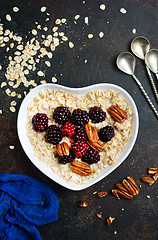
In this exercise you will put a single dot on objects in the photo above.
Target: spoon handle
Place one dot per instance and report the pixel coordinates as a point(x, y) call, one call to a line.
point(152, 82)
point(145, 95)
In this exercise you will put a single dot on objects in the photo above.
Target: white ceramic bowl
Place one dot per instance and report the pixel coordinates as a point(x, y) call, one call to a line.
point(21, 127)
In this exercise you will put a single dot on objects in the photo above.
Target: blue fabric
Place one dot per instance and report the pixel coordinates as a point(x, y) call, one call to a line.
point(24, 203)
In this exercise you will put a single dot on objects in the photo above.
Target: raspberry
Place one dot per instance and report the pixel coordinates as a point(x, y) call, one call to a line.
point(66, 159)
point(80, 117)
point(40, 122)
point(106, 133)
point(97, 114)
point(53, 134)
point(61, 115)
point(79, 148)
point(80, 134)
point(91, 156)
point(68, 129)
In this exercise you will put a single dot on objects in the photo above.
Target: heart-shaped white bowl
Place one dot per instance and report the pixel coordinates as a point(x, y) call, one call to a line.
point(21, 127)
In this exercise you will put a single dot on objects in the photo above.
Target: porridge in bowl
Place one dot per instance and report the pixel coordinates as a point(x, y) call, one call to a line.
point(78, 136)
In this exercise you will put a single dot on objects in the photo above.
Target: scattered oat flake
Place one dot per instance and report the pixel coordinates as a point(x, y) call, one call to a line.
point(0, 111)
point(34, 31)
point(64, 38)
point(86, 20)
point(43, 9)
point(101, 34)
point(123, 10)
point(58, 21)
point(85, 61)
point(0, 67)
point(134, 31)
point(63, 20)
point(94, 192)
point(90, 35)
point(45, 29)
point(54, 79)
point(40, 73)
point(115, 232)
point(148, 196)
point(3, 84)
point(8, 17)
point(77, 17)
point(102, 7)
point(12, 109)
point(43, 81)
point(15, 9)
point(13, 103)
point(11, 147)
point(71, 45)
point(55, 29)
point(48, 63)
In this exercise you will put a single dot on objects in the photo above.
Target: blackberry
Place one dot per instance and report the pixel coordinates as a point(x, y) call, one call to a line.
point(97, 114)
point(53, 134)
point(40, 122)
point(79, 148)
point(106, 133)
point(61, 115)
point(91, 156)
point(68, 129)
point(79, 117)
point(80, 134)
point(66, 159)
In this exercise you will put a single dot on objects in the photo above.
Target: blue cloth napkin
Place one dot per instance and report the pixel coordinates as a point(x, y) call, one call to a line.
point(24, 203)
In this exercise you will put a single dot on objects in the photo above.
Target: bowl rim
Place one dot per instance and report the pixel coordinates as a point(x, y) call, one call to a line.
point(25, 143)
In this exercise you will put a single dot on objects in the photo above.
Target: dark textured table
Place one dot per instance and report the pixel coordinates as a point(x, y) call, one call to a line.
point(134, 219)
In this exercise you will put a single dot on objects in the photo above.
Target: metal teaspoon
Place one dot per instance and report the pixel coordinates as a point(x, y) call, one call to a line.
point(151, 60)
point(126, 63)
point(140, 46)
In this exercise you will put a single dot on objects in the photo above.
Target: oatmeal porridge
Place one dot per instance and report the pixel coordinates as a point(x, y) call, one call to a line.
point(108, 151)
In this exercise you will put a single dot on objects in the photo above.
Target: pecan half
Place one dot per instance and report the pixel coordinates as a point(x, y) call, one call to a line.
point(118, 114)
point(102, 194)
point(63, 149)
point(148, 180)
point(92, 133)
point(134, 185)
point(121, 187)
point(130, 187)
point(93, 138)
point(155, 176)
point(83, 204)
point(96, 145)
point(125, 195)
point(115, 193)
point(110, 220)
point(152, 171)
point(80, 168)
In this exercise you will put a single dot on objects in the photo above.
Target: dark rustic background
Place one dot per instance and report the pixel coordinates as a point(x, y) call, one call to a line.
point(139, 218)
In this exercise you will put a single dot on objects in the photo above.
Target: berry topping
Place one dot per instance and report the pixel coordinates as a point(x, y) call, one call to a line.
point(91, 156)
point(97, 114)
point(79, 148)
point(66, 159)
point(80, 134)
point(40, 122)
point(106, 133)
point(61, 115)
point(53, 134)
point(68, 129)
point(80, 117)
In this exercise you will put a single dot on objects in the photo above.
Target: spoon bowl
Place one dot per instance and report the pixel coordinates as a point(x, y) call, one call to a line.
point(126, 62)
point(140, 46)
point(151, 60)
